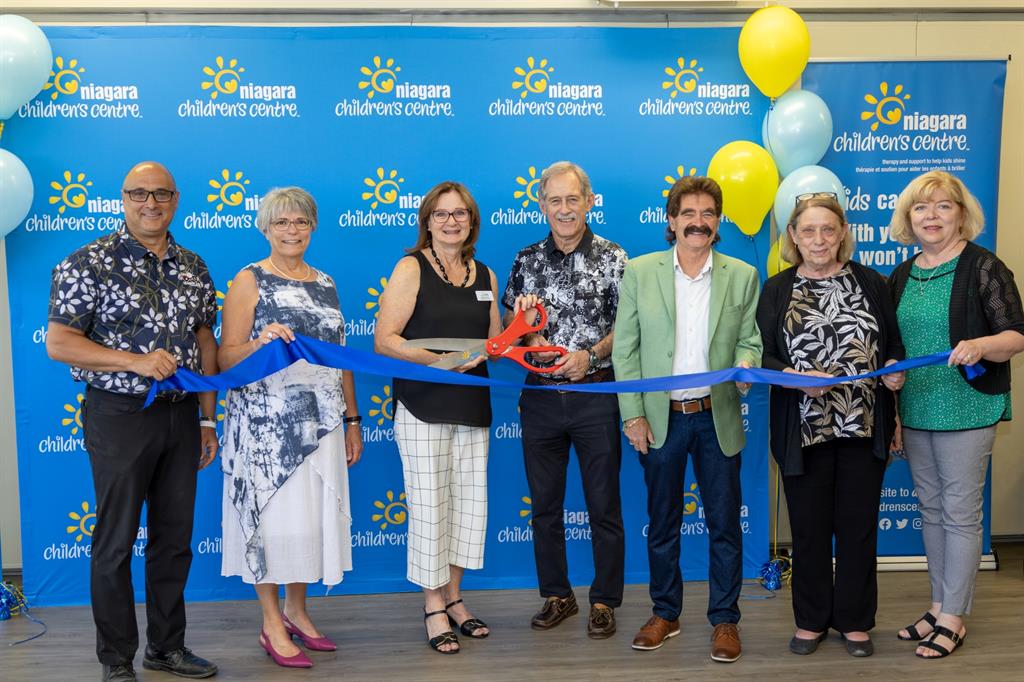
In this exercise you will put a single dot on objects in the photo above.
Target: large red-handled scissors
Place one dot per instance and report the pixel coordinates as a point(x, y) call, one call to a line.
point(500, 346)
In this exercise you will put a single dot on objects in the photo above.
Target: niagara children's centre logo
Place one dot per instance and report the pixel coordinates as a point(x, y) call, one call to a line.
point(526, 208)
point(229, 94)
point(68, 94)
point(229, 204)
point(654, 214)
point(385, 202)
point(76, 206)
point(386, 94)
point(537, 91)
point(688, 91)
point(389, 516)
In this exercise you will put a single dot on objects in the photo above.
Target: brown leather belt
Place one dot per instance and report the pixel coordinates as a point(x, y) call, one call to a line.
point(597, 377)
point(691, 406)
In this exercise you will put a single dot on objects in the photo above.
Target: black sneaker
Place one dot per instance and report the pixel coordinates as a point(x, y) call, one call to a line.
point(181, 662)
point(118, 673)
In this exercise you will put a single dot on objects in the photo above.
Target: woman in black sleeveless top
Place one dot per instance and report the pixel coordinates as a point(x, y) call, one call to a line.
point(442, 431)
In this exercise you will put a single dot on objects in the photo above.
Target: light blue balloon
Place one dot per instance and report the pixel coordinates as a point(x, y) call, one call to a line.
point(15, 192)
point(25, 58)
point(804, 180)
point(797, 130)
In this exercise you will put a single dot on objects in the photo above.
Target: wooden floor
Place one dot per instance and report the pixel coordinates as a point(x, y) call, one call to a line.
point(382, 638)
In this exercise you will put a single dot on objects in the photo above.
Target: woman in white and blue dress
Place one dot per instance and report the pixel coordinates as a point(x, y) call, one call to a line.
point(286, 502)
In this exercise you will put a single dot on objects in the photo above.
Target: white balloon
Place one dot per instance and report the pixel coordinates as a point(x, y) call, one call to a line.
point(15, 192)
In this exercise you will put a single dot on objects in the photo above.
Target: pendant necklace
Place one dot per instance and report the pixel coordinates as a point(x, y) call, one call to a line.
point(444, 275)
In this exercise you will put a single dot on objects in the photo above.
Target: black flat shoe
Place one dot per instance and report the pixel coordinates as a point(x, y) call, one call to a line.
point(861, 649)
point(181, 662)
point(805, 647)
point(447, 637)
point(469, 626)
point(118, 673)
point(911, 629)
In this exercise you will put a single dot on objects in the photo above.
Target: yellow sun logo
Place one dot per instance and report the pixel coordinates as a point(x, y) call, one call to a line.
point(534, 77)
point(393, 512)
point(381, 77)
point(888, 108)
point(529, 186)
point(221, 295)
point(230, 189)
point(65, 78)
point(84, 523)
point(690, 500)
point(525, 512)
point(384, 189)
point(684, 79)
point(222, 408)
point(74, 420)
point(225, 77)
point(671, 179)
point(375, 301)
point(72, 191)
point(385, 409)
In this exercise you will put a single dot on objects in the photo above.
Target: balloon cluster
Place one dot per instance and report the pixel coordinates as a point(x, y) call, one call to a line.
point(774, 46)
point(25, 54)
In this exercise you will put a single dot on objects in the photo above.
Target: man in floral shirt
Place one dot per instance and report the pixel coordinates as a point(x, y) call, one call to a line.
point(127, 309)
point(575, 274)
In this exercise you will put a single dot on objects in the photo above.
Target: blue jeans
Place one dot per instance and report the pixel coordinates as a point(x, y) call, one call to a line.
point(718, 477)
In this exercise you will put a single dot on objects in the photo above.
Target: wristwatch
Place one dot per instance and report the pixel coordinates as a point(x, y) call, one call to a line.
point(594, 360)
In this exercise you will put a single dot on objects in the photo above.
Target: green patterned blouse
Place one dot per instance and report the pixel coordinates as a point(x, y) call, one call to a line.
point(937, 398)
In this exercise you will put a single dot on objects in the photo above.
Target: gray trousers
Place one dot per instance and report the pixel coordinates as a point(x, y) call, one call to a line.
point(949, 474)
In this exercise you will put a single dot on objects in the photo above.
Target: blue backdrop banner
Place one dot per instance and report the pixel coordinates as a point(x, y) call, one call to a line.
point(367, 119)
point(893, 121)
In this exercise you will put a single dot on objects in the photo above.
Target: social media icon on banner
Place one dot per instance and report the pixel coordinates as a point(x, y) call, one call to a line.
point(884, 524)
point(916, 525)
point(901, 524)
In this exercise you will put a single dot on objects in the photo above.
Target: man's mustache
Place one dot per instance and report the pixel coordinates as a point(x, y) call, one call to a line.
point(697, 229)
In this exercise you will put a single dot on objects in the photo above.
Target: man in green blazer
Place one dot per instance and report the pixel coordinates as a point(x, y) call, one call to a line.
point(685, 310)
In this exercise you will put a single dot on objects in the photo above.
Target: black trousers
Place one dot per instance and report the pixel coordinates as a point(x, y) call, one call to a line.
point(552, 422)
point(837, 496)
point(138, 455)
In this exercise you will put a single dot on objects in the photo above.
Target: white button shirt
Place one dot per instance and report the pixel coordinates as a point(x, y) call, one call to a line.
point(693, 310)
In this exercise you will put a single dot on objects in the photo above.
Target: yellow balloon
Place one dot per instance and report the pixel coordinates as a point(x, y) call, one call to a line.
point(749, 180)
point(774, 47)
point(776, 263)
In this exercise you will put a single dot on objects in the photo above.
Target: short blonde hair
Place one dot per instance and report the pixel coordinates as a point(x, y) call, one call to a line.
point(280, 200)
point(788, 250)
point(923, 187)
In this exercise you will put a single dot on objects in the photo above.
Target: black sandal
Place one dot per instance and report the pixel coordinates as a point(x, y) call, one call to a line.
point(941, 631)
point(443, 638)
point(911, 629)
point(469, 626)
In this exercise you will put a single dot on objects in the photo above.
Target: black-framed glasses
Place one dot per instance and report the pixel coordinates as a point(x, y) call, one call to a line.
point(441, 216)
point(301, 224)
point(142, 195)
point(816, 195)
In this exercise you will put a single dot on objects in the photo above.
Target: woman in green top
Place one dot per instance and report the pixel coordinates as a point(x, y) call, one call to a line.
point(953, 294)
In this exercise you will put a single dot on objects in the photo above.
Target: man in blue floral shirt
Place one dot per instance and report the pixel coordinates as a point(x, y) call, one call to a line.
point(125, 310)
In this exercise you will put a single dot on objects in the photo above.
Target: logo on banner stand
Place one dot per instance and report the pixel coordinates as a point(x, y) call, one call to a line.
point(77, 544)
point(365, 326)
point(386, 204)
point(888, 109)
point(654, 214)
point(233, 208)
point(70, 97)
point(383, 412)
point(386, 95)
point(576, 523)
point(389, 516)
point(71, 439)
point(527, 204)
point(691, 93)
point(227, 96)
point(534, 93)
point(74, 210)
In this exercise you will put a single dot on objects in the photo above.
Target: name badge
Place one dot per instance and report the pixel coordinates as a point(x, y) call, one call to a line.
point(485, 295)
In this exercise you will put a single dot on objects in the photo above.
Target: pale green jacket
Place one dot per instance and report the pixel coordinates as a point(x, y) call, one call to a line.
point(645, 333)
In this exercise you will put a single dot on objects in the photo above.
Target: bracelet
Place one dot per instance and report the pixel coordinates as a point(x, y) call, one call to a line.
point(208, 423)
point(353, 420)
point(629, 422)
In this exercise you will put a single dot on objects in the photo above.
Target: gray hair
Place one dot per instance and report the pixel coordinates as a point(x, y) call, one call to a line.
point(561, 168)
point(280, 200)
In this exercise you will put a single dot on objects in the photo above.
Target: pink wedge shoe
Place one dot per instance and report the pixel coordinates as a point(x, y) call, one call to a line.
point(311, 643)
point(299, 660)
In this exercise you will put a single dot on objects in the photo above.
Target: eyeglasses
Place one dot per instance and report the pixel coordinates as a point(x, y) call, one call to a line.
point(301, 224)
point(142, 195)
point(807, 232)
point(816, 195)
point(441, 216)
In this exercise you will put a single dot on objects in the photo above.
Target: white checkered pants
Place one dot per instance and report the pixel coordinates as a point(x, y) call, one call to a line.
point(445, 468)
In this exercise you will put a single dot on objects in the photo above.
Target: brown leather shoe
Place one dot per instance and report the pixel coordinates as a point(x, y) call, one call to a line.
point(654, 633)
point(601, 623)
point(725, 643)
point(555, 610)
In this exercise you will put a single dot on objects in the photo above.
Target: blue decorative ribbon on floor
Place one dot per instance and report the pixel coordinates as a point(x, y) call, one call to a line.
point(278, 355)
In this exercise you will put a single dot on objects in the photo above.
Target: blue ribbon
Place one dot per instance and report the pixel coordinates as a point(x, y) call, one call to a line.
point(278, 355)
